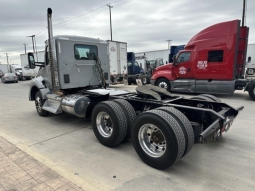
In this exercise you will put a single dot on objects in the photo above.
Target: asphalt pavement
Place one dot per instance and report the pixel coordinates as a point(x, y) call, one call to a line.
point(66, 145)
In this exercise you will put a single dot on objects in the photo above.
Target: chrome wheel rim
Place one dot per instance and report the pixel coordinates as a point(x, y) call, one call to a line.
point(144, 80)
point(163, 85)
point(38, 104)
point(152, 140)
point(104, 124)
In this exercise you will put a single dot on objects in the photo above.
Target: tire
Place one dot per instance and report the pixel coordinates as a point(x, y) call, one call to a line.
point(129, 113)
point(200, 97)
point(214, 98)
point(23, 78)
point(169, 141)
point(144, 80)
point(164, 83)
point(39, 101)
point(113, 130)
point(185, 125)
point(251, 90)
point(17, 81)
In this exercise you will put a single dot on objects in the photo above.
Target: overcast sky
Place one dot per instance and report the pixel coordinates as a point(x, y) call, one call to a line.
point(144, 24)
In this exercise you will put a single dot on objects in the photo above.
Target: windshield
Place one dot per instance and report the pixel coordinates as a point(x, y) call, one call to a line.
point(17, 69)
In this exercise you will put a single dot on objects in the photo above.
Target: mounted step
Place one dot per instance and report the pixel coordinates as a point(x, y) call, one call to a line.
point(53, 103)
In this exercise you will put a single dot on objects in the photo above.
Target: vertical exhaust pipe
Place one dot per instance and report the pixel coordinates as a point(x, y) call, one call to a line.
point(52, 55)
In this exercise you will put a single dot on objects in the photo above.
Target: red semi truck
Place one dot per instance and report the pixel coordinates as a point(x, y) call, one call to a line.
point(212, 62)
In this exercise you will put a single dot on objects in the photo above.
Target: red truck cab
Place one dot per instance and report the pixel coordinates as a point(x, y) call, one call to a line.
point(211, 62)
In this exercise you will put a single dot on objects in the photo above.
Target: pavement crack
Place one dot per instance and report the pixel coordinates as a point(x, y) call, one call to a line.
point(55, 137)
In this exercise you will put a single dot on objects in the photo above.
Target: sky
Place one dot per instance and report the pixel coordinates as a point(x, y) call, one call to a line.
point(144, 25)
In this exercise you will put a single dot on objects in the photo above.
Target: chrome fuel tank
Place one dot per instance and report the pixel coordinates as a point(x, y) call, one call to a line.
point(75, 104)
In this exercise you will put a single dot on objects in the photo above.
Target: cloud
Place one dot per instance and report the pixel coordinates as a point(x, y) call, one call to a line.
point(144, 24)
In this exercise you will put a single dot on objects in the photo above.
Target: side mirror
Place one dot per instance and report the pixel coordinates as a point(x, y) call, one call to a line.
point(140, 65)
point(249, 59)
point(174, 61)
point(31, 60)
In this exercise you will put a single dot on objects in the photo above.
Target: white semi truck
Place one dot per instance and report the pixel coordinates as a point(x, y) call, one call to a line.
point(27, 73)
point(163, 127)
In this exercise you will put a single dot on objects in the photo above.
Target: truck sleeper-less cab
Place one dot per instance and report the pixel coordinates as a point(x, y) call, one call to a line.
point(163, 127)
point(213, 61)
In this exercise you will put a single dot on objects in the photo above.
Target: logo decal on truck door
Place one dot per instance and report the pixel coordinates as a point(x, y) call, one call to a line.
point(201, 64)
point(182, 70)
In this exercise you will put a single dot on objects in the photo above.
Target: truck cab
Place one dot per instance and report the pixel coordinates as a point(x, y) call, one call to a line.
point(75, 59)
point(211, 62)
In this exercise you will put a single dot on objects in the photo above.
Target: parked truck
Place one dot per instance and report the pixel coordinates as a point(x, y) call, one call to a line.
point(17, 70)
point(250, 65)
point(141, 68)
point(27, 73)
point(163, 127)
point(213, 62)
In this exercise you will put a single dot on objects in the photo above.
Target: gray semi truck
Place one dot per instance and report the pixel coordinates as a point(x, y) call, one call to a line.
point(163, 127)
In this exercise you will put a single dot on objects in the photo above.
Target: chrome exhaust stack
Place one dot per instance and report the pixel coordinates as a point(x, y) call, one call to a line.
point(52, 55)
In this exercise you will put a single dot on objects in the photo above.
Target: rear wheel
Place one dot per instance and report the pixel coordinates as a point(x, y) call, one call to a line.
point(185, 125)
point(144, 80)
point(251, 89)
point(109, 123)
point(129, 113)
point(163, 83)
point(39, 101)
point(158, 139)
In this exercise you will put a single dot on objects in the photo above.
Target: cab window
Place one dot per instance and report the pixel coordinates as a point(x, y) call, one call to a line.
point(85, 52)
point(136, 64)
point(183, 57)
point(215, 56)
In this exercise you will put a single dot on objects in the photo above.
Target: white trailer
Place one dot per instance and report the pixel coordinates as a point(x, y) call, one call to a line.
point(153, 55)
point(30, 73)
point(250, 57)
point(4, 68)
point(118, 60)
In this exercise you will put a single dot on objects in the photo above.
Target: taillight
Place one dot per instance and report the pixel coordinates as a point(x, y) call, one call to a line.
point(15, 77)
point(6, 77)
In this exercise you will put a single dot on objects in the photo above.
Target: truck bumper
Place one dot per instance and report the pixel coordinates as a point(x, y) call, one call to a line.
point(153, 82)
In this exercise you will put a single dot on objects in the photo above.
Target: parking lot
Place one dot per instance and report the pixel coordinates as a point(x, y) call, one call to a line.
point(67, 145)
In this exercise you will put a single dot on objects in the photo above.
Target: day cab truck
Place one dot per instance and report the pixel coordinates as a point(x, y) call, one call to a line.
point(163, 127)
point(212, 62)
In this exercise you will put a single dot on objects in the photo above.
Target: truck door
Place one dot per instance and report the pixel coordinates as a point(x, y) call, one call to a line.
point(183, 69)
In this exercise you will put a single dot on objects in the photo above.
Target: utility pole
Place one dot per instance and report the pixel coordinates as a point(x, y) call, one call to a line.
point(25, 45)
point(110, 18)
point(244, 13)
point(168, 43)
point(7, 61)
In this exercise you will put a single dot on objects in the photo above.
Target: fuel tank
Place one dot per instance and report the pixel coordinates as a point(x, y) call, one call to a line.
point(75, 104)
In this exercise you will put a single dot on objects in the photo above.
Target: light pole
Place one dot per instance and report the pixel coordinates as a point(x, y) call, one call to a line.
point(110, 18)
point(7, 61)
point(168, 43)
point(34, 45)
